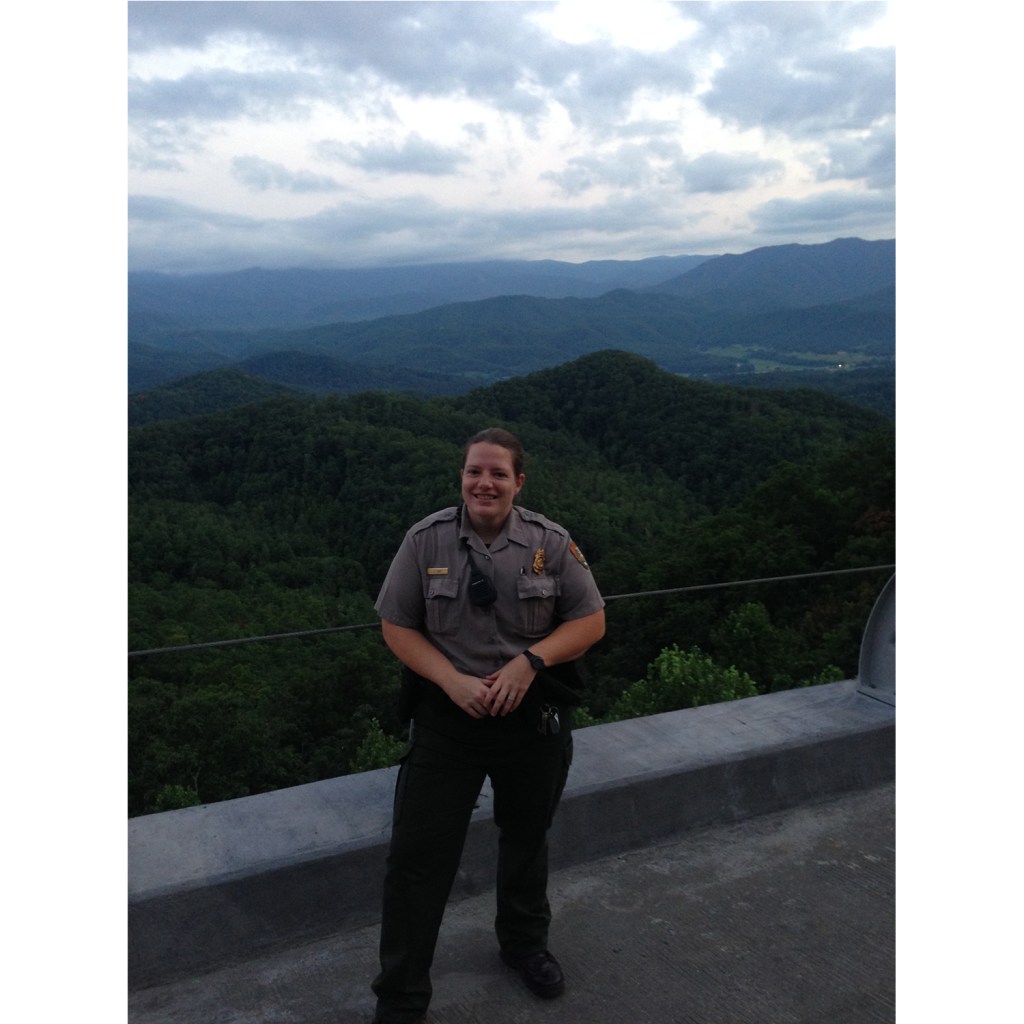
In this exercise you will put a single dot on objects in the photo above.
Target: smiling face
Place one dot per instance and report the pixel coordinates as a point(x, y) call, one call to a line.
point(489, 486)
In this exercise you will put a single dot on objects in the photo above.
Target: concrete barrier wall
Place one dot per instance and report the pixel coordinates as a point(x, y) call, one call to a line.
point(221, 883)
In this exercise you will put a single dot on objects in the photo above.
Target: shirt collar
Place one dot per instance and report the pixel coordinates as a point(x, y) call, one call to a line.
point(512, 532)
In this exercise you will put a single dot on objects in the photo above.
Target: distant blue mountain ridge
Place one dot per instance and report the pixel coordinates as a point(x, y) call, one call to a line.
point(789, 307)
point(297, 297)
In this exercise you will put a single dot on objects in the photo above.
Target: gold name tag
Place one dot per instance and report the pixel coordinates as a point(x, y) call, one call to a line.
point(438, 572)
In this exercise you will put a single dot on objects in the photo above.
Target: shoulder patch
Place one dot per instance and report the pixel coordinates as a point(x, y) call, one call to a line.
point(578, 555)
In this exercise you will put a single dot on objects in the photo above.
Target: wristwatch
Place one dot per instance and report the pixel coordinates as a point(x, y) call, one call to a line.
point(535, 660)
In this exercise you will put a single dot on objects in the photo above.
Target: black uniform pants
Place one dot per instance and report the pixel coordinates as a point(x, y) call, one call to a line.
point(438, 785)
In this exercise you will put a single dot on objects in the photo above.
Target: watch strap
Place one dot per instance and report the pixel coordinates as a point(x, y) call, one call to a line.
point(535, 660)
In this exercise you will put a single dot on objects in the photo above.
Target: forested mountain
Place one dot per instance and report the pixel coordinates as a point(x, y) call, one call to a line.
point(873, 387)
point(785, 307)
point(151, 367)
point(508, 337)
point(278, 373)
point(792, 275)
point(200, 395)
point(282, 515)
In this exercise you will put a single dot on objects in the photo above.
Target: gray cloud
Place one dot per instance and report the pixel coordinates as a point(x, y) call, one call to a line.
point(491, 52)
point(807, 30)
point(178, 237)
point(595, 84)
point(631, 166)
point(256, 173)
point(414, 155)
point(222, 94)
point(169, 119)
point(480, 49)
point(786, 68)
point(846, 91)
point(162, 145)
point(834, 213)
point(532, 110)
point(784, 65)
point(872, 159)
point(728, 172)
point(404, 229)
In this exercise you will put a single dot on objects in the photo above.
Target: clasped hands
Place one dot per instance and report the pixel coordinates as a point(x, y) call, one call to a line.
point(496, 695)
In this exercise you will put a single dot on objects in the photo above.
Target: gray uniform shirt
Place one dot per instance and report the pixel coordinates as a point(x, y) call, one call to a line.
point(540, 576)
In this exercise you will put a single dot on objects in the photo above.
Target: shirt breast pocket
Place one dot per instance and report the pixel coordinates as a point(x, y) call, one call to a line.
point(442, 605)
point(535, 609)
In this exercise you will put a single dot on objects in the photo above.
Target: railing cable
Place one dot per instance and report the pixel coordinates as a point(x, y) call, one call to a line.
point(611, 597)
point(744, 583)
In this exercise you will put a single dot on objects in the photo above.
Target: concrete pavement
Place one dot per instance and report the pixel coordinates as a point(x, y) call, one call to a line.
point(785, 917)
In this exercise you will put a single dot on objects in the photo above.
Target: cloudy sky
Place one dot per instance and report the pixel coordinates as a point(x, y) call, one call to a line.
point(284, 134)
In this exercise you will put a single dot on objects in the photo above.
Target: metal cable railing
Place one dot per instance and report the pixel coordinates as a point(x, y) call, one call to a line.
point(613, 597)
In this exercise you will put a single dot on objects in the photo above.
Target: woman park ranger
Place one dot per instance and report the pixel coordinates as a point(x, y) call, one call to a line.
point(481, 602)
